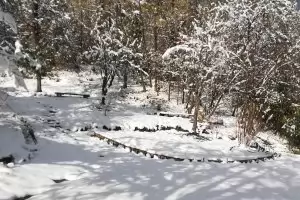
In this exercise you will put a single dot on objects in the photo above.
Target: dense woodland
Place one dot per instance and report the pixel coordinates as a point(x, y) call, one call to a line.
point(244, 52)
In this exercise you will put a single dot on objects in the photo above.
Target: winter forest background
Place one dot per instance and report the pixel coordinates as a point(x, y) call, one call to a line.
point(244, 52)
point(149, 99)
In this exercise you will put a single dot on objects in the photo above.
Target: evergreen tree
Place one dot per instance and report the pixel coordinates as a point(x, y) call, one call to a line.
point(42, 34)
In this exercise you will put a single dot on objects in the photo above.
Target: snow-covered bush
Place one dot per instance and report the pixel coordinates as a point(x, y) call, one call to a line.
point(10, 47)
point(112, 52)
point(245, 49)
point(291, 129)
point(264, 40)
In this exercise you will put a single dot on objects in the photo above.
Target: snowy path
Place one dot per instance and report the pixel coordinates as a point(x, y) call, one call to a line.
point(95, 170)
point(120, 175)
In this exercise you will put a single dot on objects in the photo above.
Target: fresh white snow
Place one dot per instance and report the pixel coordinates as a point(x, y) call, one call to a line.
point(95, 170)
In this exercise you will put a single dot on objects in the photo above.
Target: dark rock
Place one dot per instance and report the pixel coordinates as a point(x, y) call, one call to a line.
point(23, 198)
point(137, 151)
point(216, 161)
point(106, 128)
point(116, 144)
point(144, 152)
point(180, 129)
point(7, 160)
point(179, 159)
point(254, 145)
point(261, 149)
point(88, 127)
point(56, 126)
point(143, 129)
point(117, 128)
point(192, 134)
point(205, 131)
point(231, 137)
point(60, 180)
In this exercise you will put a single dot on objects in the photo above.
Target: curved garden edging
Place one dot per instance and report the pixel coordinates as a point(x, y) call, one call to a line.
point(163, 157)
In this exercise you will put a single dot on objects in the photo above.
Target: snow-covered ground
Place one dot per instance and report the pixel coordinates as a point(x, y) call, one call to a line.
point(182, 146)
point(95, 170)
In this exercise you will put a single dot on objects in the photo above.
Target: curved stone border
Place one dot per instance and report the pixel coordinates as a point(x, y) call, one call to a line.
point(160, 156)
point(28, 196)
point(153, 130)
point(161, 128)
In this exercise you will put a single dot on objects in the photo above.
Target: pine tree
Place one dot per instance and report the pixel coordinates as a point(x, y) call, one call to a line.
point(41, 34)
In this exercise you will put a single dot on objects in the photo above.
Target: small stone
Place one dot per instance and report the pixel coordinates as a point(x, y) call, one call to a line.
point(75, 129)
point(94, 125)
point(117, 128)
point(10, 165)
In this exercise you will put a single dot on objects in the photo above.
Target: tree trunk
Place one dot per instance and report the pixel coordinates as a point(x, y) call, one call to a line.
point(169, 91)
point(192, 104)
point(234, 111)
point(144, 45)
point(36, 36)
point(38, 80)
point(155, 35)
point(178, 92)
point(196, 111)
point(183, 95)
point(188, 99)
point(150, 78)
point(215, 106)
point(125, 79)
point(143, 82)
point(81, 28)
point(156, 85)
point(111, 80)
point(104, 87)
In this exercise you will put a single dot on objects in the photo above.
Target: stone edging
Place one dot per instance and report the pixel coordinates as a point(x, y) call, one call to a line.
point(160, 156)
